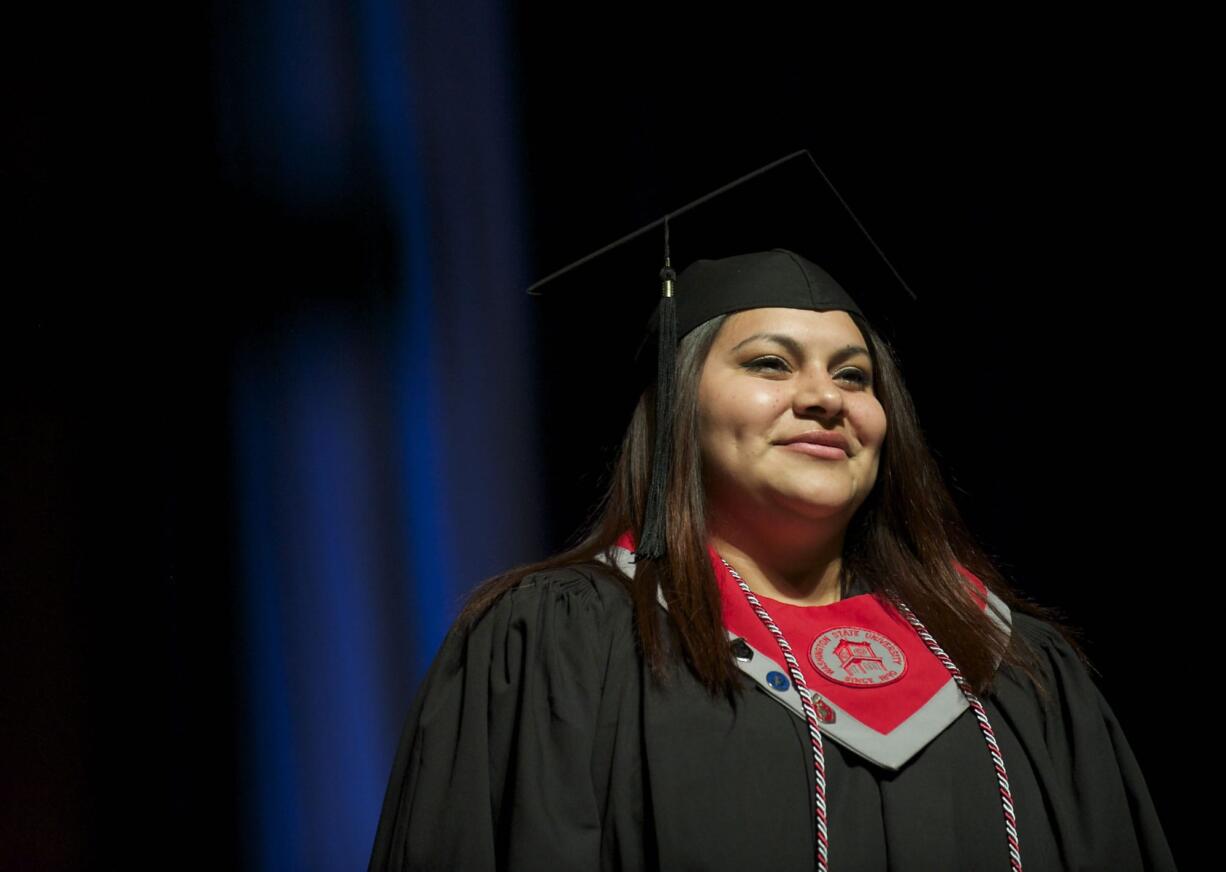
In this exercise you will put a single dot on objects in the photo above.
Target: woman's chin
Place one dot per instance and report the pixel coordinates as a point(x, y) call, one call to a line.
point(816, 506)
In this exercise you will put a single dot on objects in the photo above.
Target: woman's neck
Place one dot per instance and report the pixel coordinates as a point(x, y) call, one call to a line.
point(801, 573)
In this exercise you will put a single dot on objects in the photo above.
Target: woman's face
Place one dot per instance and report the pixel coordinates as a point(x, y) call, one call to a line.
point(773, 375)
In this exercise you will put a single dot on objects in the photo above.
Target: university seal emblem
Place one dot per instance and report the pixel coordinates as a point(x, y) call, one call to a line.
point(857, 657)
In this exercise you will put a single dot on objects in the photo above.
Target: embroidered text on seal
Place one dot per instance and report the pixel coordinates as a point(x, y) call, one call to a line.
point(857, 656)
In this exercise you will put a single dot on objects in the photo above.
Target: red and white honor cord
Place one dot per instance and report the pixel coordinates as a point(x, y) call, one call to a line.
point(998, 761)
point(815, 735)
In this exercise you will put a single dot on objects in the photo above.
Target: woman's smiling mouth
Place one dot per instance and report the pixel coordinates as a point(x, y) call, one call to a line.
point(816, 450)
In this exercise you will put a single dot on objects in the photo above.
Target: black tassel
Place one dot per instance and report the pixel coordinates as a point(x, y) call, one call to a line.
point(653, 544)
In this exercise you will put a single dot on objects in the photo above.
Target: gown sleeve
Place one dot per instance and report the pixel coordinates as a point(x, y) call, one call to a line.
point(1108, 819)
point(494, 766)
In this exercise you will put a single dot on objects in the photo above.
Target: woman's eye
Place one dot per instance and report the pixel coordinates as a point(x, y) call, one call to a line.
point(768, 363)
point(859, 376)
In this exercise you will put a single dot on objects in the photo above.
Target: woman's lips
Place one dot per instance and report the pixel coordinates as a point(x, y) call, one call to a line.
point(815, 450)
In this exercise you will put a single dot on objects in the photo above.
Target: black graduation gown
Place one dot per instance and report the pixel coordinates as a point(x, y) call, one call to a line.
point(538, 741)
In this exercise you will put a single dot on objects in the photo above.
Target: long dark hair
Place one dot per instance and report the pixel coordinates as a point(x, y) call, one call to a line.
point(902, 542)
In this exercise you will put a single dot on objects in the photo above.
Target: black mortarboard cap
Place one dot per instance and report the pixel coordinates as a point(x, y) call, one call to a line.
point(781, 236)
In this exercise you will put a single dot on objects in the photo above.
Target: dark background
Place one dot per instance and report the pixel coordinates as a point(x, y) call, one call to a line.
point(1037, 181)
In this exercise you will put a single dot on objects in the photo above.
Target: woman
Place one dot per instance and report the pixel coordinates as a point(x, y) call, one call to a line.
point(759, 685)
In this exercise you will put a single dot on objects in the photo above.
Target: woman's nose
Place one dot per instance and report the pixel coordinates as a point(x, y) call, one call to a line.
point(818, 394)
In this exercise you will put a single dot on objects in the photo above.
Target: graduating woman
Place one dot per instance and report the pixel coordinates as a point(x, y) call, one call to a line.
point(777, 646)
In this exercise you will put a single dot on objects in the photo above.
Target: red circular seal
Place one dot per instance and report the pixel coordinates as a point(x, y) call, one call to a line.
point(857, 657)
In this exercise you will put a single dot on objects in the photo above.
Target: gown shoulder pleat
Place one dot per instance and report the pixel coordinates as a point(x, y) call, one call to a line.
point(494, 768)
point(1101, 810)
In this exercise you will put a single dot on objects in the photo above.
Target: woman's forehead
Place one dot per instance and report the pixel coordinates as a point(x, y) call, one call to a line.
point(801, 324)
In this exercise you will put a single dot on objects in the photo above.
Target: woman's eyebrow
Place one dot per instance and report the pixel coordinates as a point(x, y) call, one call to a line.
point(793, 346)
